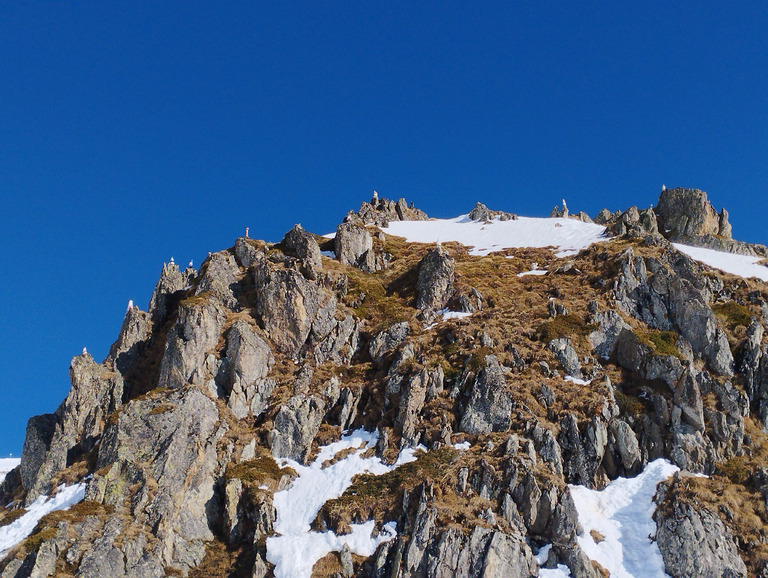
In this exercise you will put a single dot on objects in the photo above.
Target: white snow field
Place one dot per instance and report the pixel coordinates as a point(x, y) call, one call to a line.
point(296, 549)
point(19, 529)
point(6, 465)
point(569, 236)
point(622, 513)
point(741, 265)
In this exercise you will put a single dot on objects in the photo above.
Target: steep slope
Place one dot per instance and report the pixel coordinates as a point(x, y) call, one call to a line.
point(487, 365)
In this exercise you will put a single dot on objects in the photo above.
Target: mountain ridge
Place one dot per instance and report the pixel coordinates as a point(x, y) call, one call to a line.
point(269, 352)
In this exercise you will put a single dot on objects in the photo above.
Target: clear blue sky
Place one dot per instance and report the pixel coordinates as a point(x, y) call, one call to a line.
point(131, 132)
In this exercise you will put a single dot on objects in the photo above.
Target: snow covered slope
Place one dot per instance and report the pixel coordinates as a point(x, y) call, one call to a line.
point(623, 514)
point(6, 465)
point(741, 265)
point(568, 235)
point(22, 527)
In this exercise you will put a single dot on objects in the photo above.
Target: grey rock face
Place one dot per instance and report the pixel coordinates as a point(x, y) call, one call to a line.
point(163, 467)
point(604, 339)
point(387, 341)
point(96, 392)
point(134, 335)
point(434, 286)
point(666, 300)
point(247, 252)
point(412, 400)
point(171, 282)
point(296, 425)
point(696, 543)
point(288, 305)
point(301, 244)
point(219, 276)
point(244, 371)
point(351, 243)
point(636, 356)
point(448, 553)
point(194, 335)
point(566, 355)
point(490, 405)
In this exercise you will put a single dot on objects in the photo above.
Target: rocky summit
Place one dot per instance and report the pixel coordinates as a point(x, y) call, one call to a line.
point(570, 396)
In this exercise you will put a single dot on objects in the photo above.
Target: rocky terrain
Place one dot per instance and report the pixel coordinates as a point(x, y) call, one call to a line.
point(513, 386)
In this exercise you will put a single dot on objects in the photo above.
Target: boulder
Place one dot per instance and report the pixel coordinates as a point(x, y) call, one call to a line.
point(434, 285)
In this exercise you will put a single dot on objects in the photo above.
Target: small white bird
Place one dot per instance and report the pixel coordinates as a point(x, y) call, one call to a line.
point(85, 351)
point(191, 265)
point(130, 305)
point(663, 187)
point(172, 261)
point(375, 198)
point(246, 232)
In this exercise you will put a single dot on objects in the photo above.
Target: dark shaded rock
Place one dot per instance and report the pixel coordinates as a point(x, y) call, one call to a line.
point(37, 442)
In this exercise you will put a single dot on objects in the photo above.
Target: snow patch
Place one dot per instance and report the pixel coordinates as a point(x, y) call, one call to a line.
point(296, 549)
point(453, 314)
point(622, 513)
point(533, 272)
point(741, 265)
point(577, 380)
point(16, 531)
point(462, 446)
point(569, 236)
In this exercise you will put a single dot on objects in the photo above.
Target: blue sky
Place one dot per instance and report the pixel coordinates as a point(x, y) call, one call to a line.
point(131, 132)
